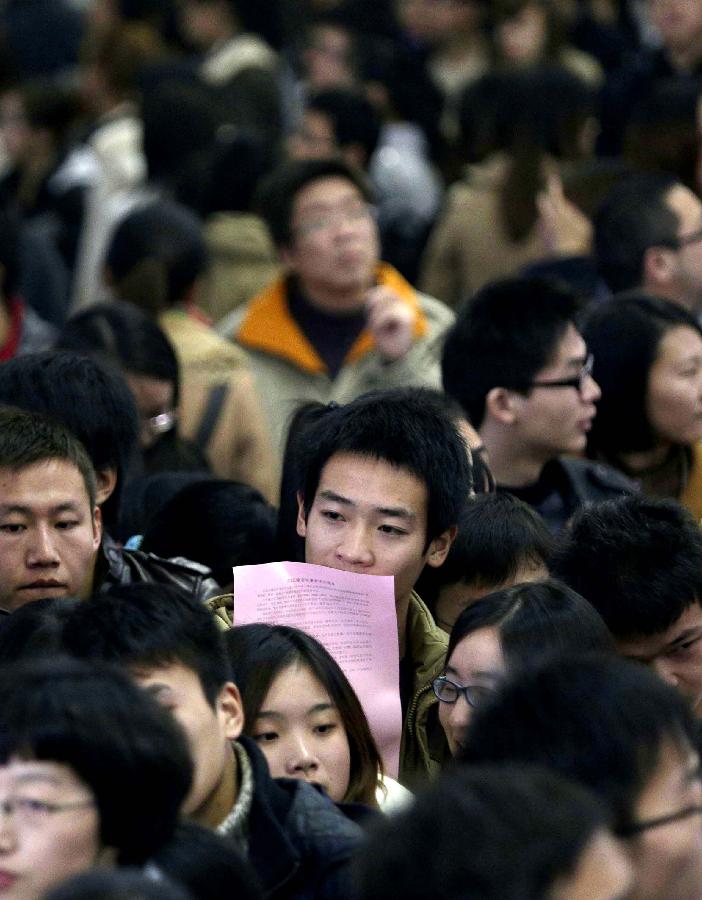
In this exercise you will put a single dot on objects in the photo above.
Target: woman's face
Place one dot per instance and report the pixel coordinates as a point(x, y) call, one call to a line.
point(674, 401)
point(477, 661)
point(49, 827)
point(300, 732)
point(522, 37)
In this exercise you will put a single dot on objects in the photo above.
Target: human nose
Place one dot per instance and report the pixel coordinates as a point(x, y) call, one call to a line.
point(461, 713)
point(42, 550)
point(590, 389)
point(8, 833)
point(664, 670)
point(355, 546)
point(301, 761)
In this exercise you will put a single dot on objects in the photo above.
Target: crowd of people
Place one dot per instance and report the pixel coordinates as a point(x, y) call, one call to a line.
point(409, 288)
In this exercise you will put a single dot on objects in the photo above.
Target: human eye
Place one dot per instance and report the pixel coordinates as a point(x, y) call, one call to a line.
point(392, 530)
point(32, 807)
point(325, 728)
point(685, 646)
point(67, 524)
point(332, 515)
point(12, 527)
point(265, 737)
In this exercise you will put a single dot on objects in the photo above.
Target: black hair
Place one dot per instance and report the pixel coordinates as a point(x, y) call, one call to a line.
point(118, 740)
point(118, 884)
point(148, 626)
point(207, 865)
point(90, 399)
point(633, 217)
point(240, 160)
point(352, 117)
point(156, 254)
point(278, 191)
point(27, 438)
point(290, 545)
point(497, 536)
point(35, 630)
point(259, 653)
point(624, 335)
point(218, 523)
point(502, 832)
point(637, 560)
point(533, 620)
point(597, 719)
point(508, 332)
point(405, 428)
point(126, 337)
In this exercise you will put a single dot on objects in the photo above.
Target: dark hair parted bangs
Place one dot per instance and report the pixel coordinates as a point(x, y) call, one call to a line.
point(27, 438)
point(535, 620)
point(406, 428)
point(624, 335)
point(638, 561)
point(259, 653)
point(119, 741)
point(503, 337)
point(149, 626)
point(597, 719)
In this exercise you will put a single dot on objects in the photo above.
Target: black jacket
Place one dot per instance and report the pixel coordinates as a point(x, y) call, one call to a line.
point(117, 566)
point(300, 843)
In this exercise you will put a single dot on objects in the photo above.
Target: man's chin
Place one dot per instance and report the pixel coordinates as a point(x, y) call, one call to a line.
point(23, 596)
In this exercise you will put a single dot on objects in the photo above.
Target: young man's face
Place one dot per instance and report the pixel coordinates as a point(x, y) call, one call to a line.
point(667, 857)
point(552, 420)
point(49, 534)
point(675, 654)
point(371, 517)
point(334, 245)
point(209, 731)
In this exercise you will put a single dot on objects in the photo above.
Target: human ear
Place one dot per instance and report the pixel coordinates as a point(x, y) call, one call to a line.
point(106, 480)
point(301, 524)
point(230, 711)
point(440, 546)
point(499, 405)
point(97, 527)
point(658, 266)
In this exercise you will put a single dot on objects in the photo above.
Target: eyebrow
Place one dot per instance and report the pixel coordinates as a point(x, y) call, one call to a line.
point(37, 776)
point(274, 714)
point(397, 512)
point(479, 673)
point(19, 509)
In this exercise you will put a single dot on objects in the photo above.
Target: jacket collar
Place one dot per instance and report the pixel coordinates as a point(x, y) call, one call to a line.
point(268, 325)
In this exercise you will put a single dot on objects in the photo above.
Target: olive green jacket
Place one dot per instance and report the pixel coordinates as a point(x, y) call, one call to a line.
point(423, 750)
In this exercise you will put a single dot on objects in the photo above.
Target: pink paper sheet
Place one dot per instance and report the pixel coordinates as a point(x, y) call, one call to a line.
point(352, 615)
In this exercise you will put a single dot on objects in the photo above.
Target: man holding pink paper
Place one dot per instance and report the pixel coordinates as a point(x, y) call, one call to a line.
point(386, 477)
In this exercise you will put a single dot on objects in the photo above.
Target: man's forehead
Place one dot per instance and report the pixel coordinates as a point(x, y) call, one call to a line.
point(687, 625)
point(55, 478)
point(321, 192)
point(356, 472)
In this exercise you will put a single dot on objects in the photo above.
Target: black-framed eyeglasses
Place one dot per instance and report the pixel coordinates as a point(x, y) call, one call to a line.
point(577, 381)
point(448, 691)
point(638, 827)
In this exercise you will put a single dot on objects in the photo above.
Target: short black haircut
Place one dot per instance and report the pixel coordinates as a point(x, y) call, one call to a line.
point(637, 560)
point(28, 438)
point(503, 337)
point(91, 400)
point(497, 535)
point(220, 524)
point(148, 626)
point(156, 254)
point(352, 116)
point(502, 832)
point(405, 429)
point(126, 337)
point(125, 747)
point(278, 191)
point(535, 620)
point(624, 336)
point(633, 217)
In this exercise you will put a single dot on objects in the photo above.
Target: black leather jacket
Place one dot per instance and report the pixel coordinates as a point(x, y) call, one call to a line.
point(117, 566)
